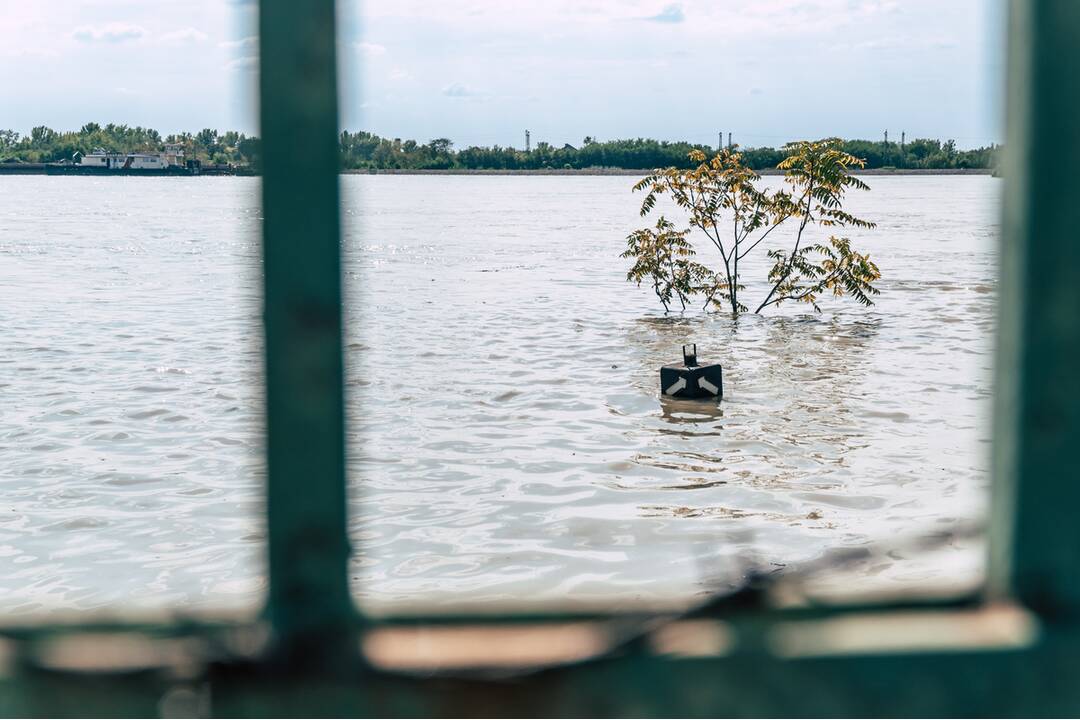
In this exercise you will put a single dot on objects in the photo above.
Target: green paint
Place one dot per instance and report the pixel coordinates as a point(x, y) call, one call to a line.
point(1037, 436)
point(309, 600)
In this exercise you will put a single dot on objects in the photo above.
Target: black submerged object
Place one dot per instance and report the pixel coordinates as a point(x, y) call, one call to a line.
point(691, 380)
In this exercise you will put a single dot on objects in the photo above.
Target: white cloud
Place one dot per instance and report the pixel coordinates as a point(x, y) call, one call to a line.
point(370, 49)
point(183, 36)
point(902, 43)
point(670, 14)
point(459, 90)
point(244, 43)
point(249, 62)
point(113, 32)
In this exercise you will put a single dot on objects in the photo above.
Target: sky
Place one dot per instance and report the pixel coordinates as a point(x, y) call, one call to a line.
point(481, 72)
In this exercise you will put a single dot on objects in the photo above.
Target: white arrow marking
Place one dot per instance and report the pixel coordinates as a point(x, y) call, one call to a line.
point(676, 386)
point(708, 386)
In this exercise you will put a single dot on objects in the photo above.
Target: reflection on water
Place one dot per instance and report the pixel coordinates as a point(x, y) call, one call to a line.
point(507, 439)
point(679, 412)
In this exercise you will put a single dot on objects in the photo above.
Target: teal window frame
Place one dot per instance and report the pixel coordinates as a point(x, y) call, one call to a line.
point(1010, 649)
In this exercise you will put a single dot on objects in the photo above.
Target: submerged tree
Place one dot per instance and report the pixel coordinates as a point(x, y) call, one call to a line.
point(722, 200)
point(663, 257)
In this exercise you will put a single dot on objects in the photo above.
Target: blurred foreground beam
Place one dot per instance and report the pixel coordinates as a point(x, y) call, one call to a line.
point(1036, 542)
point(309, 603)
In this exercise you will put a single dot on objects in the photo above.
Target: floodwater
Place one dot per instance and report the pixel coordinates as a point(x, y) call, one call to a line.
point(507, 440)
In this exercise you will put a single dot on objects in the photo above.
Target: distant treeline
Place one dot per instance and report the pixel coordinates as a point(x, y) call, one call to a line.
point(44, 144)
point(363, 150)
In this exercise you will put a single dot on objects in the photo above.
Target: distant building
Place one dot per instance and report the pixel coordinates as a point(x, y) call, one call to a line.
point(173, 155)
point(144, 161)
point(99, 158)
point(103, 159)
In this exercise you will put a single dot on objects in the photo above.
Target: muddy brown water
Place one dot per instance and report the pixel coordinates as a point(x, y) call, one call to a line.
point(507, 439)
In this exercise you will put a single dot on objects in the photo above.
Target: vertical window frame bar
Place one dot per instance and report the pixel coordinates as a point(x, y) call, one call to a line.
point(1035, 540)
point(309, 599)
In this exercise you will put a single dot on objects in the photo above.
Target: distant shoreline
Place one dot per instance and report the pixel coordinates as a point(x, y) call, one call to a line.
point(639, 173)
point(39, 169)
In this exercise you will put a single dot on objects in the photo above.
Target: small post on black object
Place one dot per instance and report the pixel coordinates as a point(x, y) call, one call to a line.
point(689, 354)
point(691, 380)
